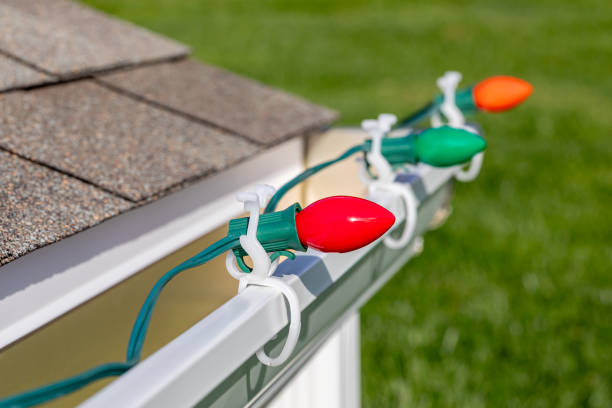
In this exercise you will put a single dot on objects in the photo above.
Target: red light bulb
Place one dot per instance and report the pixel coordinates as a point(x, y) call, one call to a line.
point(500, 93)
point(342, 223)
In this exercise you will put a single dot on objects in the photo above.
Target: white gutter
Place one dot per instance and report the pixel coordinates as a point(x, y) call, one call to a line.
point(212, 363)
point(48, 282)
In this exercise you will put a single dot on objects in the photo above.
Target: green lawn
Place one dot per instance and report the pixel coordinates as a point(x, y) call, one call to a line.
point(511, 302)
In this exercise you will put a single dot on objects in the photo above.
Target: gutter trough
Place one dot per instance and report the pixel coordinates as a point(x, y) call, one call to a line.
point(213, 364)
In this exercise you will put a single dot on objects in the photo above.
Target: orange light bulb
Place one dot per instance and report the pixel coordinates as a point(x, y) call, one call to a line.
point(500, 93)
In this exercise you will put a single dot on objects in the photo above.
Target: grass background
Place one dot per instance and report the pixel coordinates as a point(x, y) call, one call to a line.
point(511, 302)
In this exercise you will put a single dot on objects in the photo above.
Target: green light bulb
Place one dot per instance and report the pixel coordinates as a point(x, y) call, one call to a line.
point(447, 146)
point(440, 147)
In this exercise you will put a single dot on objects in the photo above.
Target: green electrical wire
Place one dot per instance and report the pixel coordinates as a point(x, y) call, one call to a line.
point(139, 331)
point(422, 114)
point(309, 172)
point(414, 118)
point(65, 386)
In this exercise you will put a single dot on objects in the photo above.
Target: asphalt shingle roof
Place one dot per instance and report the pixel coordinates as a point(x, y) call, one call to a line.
point(17, 75)
point(98, 116)
point(40, 206)
point(214, 95)
point(67, 39)
point(124, 146)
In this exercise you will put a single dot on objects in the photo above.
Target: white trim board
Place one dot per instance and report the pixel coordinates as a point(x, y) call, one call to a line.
point(331, 377)
point(43, 285)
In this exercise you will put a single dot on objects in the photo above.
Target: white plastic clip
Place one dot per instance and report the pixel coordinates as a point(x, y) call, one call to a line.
point(262, 272)
point(448, 84)
point(410, 211)
point(378, 129)
point(469, 174)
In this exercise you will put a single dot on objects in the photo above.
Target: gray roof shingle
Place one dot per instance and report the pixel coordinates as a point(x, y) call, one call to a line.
point(244, 106)
point(40, 206)
point(103, 116)
point(67, 39)
point(16, 75)
point(124, 146)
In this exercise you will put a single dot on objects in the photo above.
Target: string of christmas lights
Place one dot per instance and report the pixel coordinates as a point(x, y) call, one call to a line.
point(494, 94)
point(335, 224)
point(439, 147)
point(355, 223)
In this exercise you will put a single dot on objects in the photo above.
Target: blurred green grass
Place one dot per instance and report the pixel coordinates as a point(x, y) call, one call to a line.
point(511, 302)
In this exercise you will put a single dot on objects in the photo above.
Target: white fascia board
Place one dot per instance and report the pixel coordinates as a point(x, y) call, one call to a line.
point(194, 364)
point(43, 285)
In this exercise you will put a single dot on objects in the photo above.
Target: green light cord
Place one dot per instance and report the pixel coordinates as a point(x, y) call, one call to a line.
point(414, 118)
point(139, 331)
point(307, 173)
point(65, 386)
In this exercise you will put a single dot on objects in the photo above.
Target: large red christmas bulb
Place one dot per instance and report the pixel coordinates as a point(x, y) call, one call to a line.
point(500, 93)
point(342, 223)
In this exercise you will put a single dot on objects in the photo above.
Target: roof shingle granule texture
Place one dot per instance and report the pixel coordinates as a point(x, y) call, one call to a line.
point(16, 75)
point(120, 119)
point(39, 206)
point(124, 146)
point(67, 39)
point(213, 95)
